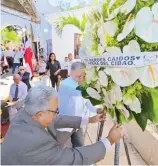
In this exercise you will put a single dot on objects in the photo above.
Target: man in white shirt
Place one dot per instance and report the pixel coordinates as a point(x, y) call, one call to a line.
point(8, 53)
point(18, 92)
point(71, 101)
point(71, 61)
point(41, 66)
point(16, 60)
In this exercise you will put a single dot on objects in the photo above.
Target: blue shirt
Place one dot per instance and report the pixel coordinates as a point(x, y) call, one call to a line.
point(71, 101)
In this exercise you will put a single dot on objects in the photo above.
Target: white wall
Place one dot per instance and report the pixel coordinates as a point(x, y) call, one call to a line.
point(65, 44)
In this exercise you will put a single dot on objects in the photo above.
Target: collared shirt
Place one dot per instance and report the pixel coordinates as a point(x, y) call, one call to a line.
point(42, 67)
point(71, 101)
point(22, 91)
point(17, 57)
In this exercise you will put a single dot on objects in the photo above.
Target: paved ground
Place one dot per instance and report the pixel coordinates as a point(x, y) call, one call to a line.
point(6, 81)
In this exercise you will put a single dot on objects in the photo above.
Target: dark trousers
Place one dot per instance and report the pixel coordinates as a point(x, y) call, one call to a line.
point(9, 61)
point(77, 138)
point(41, 74)
point(54, 80)
point(14, 67)
point(21, 61)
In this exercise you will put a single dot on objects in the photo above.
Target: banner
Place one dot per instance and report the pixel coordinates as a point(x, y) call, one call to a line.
point(123, 60)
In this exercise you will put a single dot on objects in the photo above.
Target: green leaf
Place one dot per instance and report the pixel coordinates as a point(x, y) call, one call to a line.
point(141, 119)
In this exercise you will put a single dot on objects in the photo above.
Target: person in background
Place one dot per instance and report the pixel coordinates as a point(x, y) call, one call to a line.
point(33, 137)
point(71, 101)
point(18, 92)
point(71, 61)
point(16, 60)
point(8, 53)
point(53, 66)
point(65, 65)
point(21, 52)
point(25, 76)
point(41, 66)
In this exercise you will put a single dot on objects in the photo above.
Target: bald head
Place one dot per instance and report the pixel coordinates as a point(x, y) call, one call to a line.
point(70, 57)
point(16, 78)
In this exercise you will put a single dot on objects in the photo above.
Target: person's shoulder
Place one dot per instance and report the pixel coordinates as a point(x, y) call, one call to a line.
point(27, 73)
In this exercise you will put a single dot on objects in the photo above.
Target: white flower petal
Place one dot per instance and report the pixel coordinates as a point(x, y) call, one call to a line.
point(113, 14)
point(135, 106)
point(148, 76)
point(128, 6)
point(89, 74)
point(132, 47)
point(124, 76)
point(124, 111)
point(155, 10)
point(147, 29)
point(100, 49)
point(110, 28)
point(103, 78)
point(93, 93)
point(126, 31)
point(113, 50)
point(97, 86)
point(107, 103)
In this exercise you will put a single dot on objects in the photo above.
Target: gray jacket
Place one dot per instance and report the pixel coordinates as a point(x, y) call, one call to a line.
point(28, 143)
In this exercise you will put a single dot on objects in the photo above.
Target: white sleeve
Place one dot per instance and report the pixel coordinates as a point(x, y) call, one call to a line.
point(10, 93)
point(106, 143)
point(90, 107)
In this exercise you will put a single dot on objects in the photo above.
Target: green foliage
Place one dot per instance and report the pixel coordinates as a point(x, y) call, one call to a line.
point(62, 21)
point(10, 35)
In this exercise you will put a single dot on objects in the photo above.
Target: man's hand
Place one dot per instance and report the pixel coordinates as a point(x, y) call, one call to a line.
point(55, 73)
point(97, 118)
point(100, 111)
point(115, 133)
point(12, 103)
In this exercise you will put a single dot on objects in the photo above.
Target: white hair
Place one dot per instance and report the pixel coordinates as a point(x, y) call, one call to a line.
point(77, 65)
point(37, 99)
point(16, 76)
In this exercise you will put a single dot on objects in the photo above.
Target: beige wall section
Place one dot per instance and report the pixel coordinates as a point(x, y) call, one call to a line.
point(146, 143)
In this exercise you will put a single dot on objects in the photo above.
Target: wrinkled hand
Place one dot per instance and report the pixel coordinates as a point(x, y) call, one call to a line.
point(97, 118)
point(115, 133)
point(100, 111)
point(11, 103)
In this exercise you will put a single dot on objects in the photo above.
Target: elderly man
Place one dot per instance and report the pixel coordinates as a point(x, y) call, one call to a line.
point(18, 92)
point(25, 76)
point(32, 137)
point(71, 101)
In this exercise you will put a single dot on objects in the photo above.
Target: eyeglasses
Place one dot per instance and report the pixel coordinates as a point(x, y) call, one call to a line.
point(21, 69)
point(56, 112)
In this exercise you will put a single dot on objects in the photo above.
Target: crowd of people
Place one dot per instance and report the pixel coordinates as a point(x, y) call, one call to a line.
point(37, 133)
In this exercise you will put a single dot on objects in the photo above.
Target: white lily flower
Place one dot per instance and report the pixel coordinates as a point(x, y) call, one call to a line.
point(115, 94)
point(103, 78)
point(89, 74)
point(93, 93)
point(113, 14)
point(128, 6)
point(147, 29)
point(126, 31)
point(134, 105)
point(122, 76)
point(97, 86)
point(124, 110)
point(148, 75)
point(107, 28)
point(132, 47)
point(107, 103)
